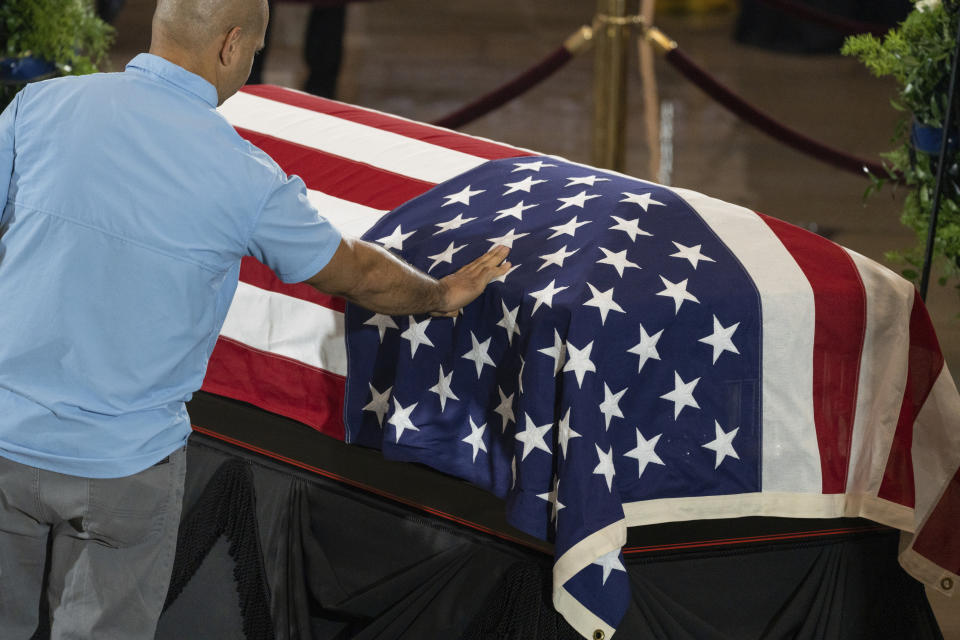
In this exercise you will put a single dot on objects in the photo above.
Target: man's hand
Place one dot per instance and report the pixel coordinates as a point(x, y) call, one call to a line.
point(462, 287)
point(371, 277)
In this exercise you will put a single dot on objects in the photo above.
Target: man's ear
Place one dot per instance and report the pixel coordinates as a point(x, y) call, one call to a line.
point(231, 46)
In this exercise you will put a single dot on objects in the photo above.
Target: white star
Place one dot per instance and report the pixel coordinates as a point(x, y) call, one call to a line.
point(566, 433)
point(629, 227)
point(603, 300)
point(442, 388)
point(479, 353)
point(416, 333)
point(395, 239)
point(453, 223)
point(609, 562)
point(532, 437)
point(587, 180)
point(605, 466)
point(379, 404)
point(642, 199)
point(463, 197)
point(545, 295)
point(557, 257)
point(523, 185)
point(553, 498)
point(507, 239)
point(382, 323)
point(558, 352)
point(721, 339)
point(690, 253)
point(569, 228)
point(722, 444)
point(475, 439)
point(617, 260)
point(677, 291)
point(682, 394)
point(503, 278)
point(516, 211)
point(531, 166)
point(401, 418)
point(579, 361)
point(576, 201)
point(644, 452)
point(509, 321)
point(445, 256)
point(610, 407)
point(647, 347)
point(505, 409)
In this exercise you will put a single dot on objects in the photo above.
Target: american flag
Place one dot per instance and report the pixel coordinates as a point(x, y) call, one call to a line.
point(653, 355)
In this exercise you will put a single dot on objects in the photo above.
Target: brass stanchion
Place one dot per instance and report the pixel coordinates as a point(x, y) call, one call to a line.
point(651, 97)
point(612, 36)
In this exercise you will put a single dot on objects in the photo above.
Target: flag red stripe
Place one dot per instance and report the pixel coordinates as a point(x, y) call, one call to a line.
point(840, 310)
point(282, 386)
point(924, 363)
point(937, 540)
point(339, 177)
point(434, 135)
point(254, 272)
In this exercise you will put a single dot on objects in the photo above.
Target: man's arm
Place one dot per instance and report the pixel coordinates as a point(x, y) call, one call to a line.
point(372, 277)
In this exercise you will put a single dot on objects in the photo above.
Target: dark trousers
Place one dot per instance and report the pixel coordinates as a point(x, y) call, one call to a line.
point(322, 50)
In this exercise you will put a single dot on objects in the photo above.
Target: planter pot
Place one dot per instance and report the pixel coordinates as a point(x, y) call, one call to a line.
point(927, 139)
point(25, 69)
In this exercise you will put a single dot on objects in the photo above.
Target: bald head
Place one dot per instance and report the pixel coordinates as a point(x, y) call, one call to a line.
point(212, 38)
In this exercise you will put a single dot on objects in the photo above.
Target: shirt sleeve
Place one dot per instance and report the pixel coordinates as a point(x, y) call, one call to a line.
point(291, 237)
point(7, 120)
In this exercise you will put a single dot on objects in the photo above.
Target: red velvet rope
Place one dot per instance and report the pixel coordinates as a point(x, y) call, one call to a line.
point(844, 25)
point(768, 125)
point(506, 92)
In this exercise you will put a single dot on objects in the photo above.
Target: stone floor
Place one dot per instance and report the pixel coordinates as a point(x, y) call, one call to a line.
point(422, 60)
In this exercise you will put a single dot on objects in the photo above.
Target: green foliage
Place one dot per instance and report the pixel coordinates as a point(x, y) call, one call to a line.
point(918, 55)
point(66, 32)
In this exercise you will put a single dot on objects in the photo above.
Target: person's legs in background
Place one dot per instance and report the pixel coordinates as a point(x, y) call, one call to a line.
point(322, 49)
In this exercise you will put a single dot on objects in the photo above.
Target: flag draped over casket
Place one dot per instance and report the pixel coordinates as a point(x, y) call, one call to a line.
point(653, 354)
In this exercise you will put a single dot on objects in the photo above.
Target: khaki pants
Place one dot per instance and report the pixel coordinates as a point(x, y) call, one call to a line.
point(111, 546)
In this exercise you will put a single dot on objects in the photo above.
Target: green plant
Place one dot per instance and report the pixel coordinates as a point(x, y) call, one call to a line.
point(918, 55)
point(67, 33)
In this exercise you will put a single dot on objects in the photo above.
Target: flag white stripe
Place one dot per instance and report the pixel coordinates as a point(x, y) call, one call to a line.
point(883, 373)
point(936, 443)
point(287, 326)
point(791, 455)
point(348, 217)
point(376, 147)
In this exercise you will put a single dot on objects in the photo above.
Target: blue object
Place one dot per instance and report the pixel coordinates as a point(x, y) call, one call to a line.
point(25, 69)
point(927, 139)
point(131, 203)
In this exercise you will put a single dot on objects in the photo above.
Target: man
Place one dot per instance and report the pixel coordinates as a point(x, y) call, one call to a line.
point(129, 203)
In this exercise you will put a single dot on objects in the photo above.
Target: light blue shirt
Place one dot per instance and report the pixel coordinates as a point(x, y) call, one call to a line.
point(129, 204)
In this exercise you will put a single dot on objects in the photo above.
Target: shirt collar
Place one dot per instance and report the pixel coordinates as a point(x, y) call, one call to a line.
point(175, 75)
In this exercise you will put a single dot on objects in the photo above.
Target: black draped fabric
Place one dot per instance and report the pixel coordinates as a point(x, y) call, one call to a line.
point(226, 508)
point(342, 563)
